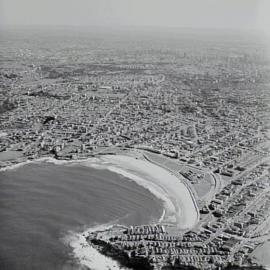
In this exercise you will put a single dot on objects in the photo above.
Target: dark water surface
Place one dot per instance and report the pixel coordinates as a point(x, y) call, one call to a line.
point(40, 203)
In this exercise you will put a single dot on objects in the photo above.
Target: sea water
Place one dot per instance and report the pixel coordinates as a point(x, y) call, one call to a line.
point(40, 204)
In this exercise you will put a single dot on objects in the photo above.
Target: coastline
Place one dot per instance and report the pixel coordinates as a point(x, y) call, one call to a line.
point(180, 205)
point(87, 255)
point(180, 210)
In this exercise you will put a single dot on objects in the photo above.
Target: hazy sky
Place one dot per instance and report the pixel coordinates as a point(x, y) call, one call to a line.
point(177, 13)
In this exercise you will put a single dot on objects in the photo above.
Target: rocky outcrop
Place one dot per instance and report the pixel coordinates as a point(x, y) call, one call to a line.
point(136, 263)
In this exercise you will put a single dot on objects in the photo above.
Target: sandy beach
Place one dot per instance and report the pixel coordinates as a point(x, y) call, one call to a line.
point(180, 209)
point(179, 206)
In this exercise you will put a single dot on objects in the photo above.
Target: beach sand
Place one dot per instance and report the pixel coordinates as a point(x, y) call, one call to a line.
point(179, 206)
point(180, 209)
point(262, 254)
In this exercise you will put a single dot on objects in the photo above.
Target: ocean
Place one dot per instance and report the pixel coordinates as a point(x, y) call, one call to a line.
point(42, 204)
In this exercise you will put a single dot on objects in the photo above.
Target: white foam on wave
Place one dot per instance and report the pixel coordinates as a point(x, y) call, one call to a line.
point(156, 190)
point(87, 255)
point(169, 212)
point(162, 216)
point(50, 160)
point(15, 166)
point(181, 208)
point(44, 159)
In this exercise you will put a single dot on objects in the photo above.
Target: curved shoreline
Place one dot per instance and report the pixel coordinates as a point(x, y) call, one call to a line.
point(89, 256)
point(180, 208)
point(180, 205)
point(192, 192)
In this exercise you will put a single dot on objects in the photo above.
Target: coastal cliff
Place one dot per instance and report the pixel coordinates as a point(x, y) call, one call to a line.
point(142, 263)
point(122, 257)
point(152, 248)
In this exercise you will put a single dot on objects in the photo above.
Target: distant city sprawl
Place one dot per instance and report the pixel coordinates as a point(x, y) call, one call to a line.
point(198, 108)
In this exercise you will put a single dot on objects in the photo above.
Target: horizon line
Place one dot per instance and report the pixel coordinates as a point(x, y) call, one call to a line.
point(157, 27)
